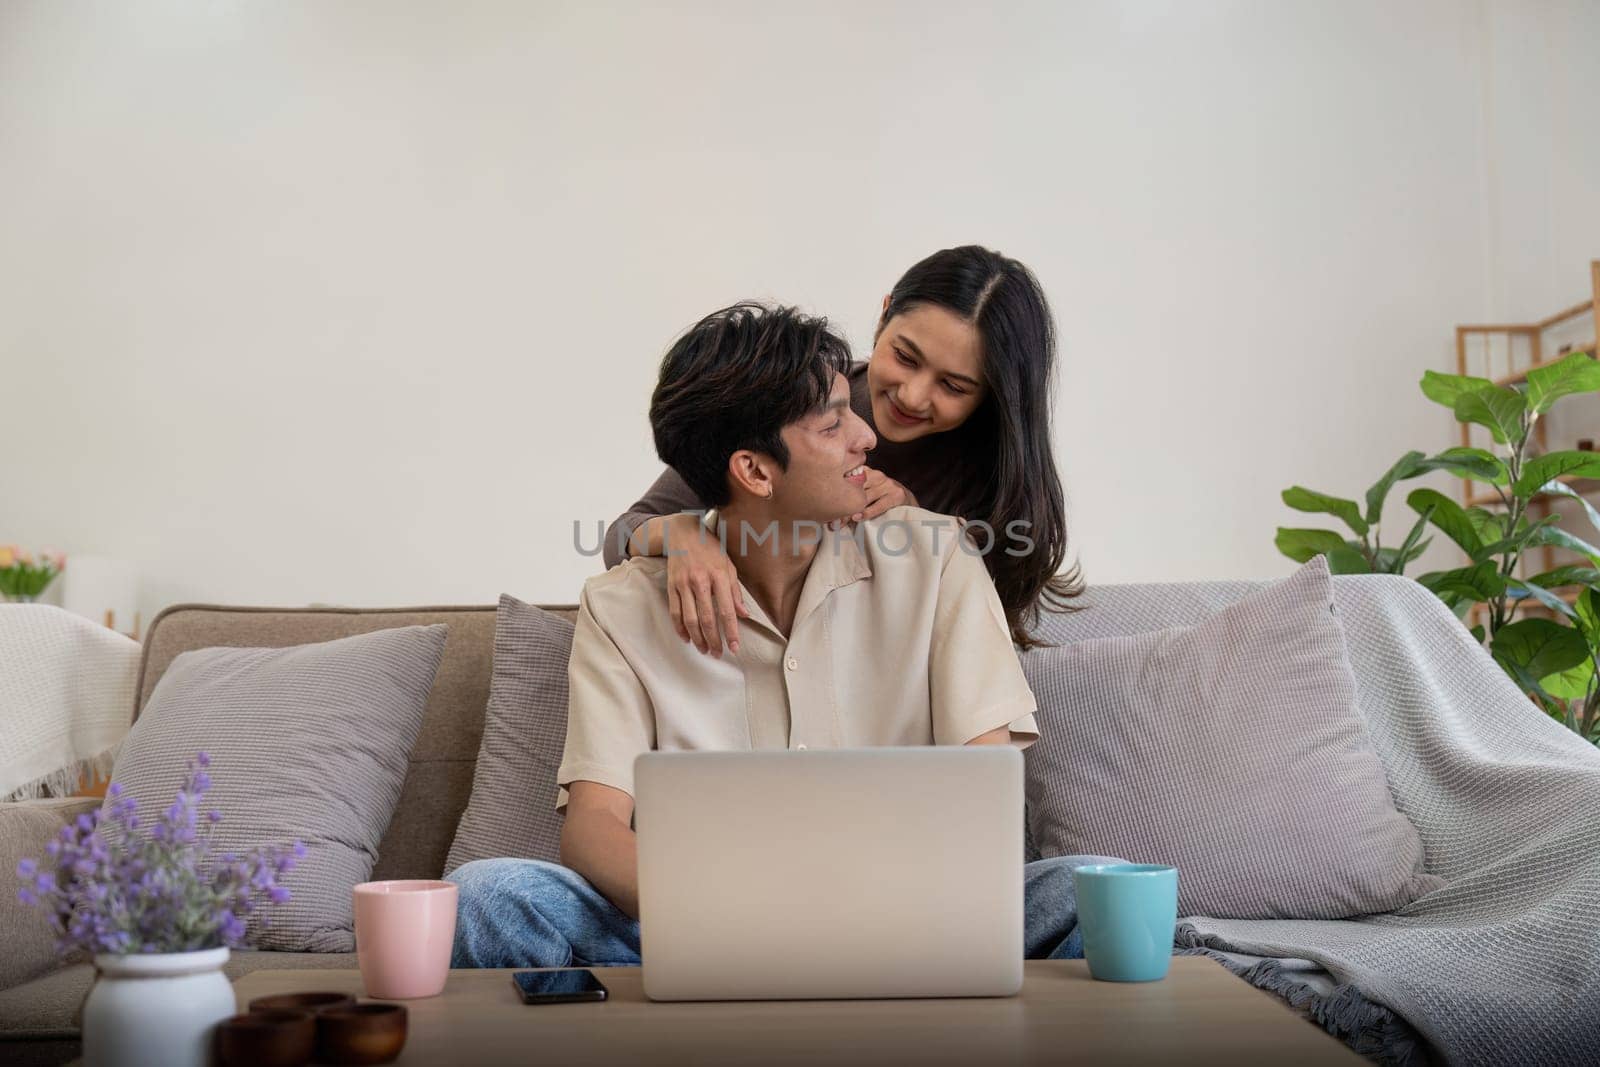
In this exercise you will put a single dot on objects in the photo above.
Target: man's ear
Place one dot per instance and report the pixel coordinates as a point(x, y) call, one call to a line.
point(753, 473)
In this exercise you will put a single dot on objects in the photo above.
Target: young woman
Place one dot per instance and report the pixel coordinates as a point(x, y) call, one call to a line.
point(958, 393)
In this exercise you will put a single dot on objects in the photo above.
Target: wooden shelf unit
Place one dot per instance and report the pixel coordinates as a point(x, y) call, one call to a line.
point(1471, 494)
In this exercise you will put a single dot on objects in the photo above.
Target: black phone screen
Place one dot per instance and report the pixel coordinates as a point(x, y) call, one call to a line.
point(558, 987)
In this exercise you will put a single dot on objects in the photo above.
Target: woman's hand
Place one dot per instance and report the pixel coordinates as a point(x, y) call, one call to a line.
point(883, 493)
point(703, 591)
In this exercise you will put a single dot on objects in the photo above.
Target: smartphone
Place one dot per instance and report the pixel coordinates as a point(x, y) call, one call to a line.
point(567, 986)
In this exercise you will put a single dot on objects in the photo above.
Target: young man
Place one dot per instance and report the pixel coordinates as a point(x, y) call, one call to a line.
point(890, 634)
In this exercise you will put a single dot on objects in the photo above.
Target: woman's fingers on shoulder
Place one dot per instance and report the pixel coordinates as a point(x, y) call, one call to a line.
point(675, 609)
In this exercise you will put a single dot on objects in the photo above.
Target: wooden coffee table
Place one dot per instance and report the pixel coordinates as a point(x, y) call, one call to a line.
point(1200, 1014)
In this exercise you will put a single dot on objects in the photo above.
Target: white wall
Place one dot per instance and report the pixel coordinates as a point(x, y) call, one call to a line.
point(360, 302)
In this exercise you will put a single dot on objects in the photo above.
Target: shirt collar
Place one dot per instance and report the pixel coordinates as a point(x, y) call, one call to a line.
point(838, 562)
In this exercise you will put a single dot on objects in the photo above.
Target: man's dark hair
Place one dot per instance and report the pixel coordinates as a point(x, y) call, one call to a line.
point(738, 377)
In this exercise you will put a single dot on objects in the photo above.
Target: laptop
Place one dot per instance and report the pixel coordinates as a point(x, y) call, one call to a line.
point(832, 874)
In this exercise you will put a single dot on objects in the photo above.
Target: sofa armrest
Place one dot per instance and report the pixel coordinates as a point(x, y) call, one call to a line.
point(26, 826)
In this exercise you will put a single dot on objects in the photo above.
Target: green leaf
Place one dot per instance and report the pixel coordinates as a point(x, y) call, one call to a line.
point(1539, 647)
point(1450, 517)
point(1573, 574)
point(1588, 611)
point(1570, 684)
point(1478, 633)
point(1528, 533)
point(1489, 526)
point(1407, 466)
point(1552, 465)
point(1473, 463)
point(1558, 489)
point(1346, 560)
point(1447, 388)
point(1576, 373)
point(1302, 545)
point(1480, 581)
point(1497, 408)
point(1303, 499)
point(1522, 590)
point(1555, 535)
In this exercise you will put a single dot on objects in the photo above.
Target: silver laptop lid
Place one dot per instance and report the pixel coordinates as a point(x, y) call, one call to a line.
point(882, 872)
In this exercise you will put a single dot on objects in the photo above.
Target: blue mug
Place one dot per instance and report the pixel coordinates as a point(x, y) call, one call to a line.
point(1128, 913)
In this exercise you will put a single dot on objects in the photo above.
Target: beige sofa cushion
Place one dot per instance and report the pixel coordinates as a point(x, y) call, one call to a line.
point(26, 826)
point(308, 743)
point(439, 780)
point(513, 807)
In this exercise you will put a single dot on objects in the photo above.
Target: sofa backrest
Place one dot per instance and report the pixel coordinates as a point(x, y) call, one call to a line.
point(442, 761)
point(439, 781)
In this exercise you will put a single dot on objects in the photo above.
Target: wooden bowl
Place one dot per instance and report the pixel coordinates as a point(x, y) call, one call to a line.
point(312, 1002)
point(267, 1039)
point(362, 1034)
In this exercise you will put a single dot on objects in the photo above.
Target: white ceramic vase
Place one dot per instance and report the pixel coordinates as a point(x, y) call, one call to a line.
point(159, 1007)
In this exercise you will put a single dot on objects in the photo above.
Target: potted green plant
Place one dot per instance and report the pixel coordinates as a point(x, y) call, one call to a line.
point(1555, 659)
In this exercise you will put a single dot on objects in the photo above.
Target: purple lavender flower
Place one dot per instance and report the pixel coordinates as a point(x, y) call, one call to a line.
point(112, 889)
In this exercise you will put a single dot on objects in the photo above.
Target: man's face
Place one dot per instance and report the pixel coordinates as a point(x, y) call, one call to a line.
point(828, 449)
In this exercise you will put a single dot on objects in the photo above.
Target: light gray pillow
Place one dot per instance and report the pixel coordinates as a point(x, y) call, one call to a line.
point(309, 743)
point(512, 811)
point(1232, 750)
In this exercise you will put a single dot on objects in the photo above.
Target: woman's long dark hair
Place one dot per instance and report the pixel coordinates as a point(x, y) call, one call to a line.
point(1007, 440)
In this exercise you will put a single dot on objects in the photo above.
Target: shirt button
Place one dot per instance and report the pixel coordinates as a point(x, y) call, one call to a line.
point(800, 748)
point(792, 663)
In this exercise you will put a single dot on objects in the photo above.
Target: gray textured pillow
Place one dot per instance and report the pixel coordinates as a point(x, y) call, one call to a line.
point(309, 743)
point(1232, 750)
point(513, 807)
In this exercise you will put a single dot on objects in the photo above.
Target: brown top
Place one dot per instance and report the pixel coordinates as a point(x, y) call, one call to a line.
point(934, 468)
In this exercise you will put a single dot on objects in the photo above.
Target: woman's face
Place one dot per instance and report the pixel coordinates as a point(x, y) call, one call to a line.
point(926, 373)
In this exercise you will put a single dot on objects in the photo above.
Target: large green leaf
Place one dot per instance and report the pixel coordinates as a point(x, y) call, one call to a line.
point(1573, 574)
point(1346, 560)
point(1413, 546)
point(1497, 408)
point(1552, 465)
point(1539, 647)
point(1555, 535)
point(1303, 499)
point(1570, 684)
point(1473, 463)
point(1447, 388)
point(1407, 466)
point(1559, 489)
point(1450, 517)
point(1488, 525)
point(1302, 545)
point(1481, 581)
point(1522, 590)
point(1576, 373)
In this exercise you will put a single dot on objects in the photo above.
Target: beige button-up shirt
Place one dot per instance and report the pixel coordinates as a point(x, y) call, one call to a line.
point(899, 639)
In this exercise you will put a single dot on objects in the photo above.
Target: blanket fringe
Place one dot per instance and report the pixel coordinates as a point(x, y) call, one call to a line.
point(67, 780)
point(1368, 1028)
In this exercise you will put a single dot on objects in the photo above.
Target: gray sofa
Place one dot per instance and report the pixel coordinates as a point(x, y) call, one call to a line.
point(39, 999)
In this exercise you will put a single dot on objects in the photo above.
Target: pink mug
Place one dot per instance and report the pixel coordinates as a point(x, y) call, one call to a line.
point(404, 932)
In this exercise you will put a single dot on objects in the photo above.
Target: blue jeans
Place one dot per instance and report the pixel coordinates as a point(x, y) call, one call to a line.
point(528, 913)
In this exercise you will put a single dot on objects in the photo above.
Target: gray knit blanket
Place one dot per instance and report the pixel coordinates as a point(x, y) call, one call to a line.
point(1502, 966)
